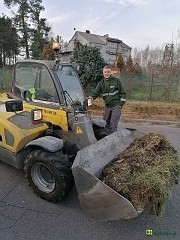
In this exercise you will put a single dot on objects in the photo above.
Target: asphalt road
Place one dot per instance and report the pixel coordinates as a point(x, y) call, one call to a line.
point(24, 216)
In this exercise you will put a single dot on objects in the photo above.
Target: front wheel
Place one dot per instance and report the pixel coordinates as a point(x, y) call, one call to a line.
point(49, 174)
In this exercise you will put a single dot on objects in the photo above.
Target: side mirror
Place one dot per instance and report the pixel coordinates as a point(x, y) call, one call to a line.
point(14, 105)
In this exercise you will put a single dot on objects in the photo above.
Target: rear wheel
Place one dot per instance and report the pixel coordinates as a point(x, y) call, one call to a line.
point(49, 174)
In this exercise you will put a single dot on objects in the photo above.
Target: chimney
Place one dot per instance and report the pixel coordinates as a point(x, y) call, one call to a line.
point(87, 31)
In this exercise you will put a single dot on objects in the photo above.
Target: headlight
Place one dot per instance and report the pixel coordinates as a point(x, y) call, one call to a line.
point(36, 116)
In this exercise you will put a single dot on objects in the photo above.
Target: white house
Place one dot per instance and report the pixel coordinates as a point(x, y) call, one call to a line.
point(109, 47)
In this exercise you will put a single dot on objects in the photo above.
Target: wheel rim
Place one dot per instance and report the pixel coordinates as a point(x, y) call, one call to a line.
point(43, 177)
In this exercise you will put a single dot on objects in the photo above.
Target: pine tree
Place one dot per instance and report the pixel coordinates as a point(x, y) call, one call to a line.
point(40, 29)
point(31, 28)
point(129, 65)
point(9, 41)
point(90, 64)
point(120, 62)
point(21, 20)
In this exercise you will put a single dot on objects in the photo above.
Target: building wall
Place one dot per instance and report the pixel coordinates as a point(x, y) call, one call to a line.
point(76, 37)
point(114, 49)
point(109, 51)
point(101, 47)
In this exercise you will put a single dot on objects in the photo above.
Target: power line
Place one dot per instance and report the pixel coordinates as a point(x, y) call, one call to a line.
point(103, 16)
point(130, 6)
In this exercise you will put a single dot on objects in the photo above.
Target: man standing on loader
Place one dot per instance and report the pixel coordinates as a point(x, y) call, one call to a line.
point(114, 96)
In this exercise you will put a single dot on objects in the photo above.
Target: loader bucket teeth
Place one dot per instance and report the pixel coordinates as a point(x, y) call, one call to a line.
point(96, 198)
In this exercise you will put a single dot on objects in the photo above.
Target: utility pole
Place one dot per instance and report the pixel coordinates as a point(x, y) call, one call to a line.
point(167, 69)
point(168, 56)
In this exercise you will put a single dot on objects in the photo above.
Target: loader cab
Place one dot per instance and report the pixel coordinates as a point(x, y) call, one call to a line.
point(46, 82)
point(71, 85)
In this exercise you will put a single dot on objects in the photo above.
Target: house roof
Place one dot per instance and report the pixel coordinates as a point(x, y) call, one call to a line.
point(92, 38)
point(125, 45)
point(114, 40)
point(97, 39)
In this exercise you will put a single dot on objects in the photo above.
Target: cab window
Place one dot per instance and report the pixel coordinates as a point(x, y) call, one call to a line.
point(36, 79)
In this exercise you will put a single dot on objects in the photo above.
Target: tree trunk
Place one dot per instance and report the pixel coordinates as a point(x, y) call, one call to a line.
point(1, 62)
point(25, 34)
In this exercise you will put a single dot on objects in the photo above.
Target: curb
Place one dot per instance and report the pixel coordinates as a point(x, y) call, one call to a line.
point(152, 121)
point(146, 121)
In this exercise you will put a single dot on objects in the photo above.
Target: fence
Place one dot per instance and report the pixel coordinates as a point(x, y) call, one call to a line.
point(153, 87)
point(5, 79)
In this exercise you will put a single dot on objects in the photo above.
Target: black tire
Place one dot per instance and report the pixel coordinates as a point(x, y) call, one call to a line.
point(99, 132)
point(49, 174)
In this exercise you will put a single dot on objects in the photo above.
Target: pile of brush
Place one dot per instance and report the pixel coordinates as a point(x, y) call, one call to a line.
point(145, 172)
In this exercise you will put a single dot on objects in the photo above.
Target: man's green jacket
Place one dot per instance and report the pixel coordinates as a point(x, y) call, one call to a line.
point(112, 91)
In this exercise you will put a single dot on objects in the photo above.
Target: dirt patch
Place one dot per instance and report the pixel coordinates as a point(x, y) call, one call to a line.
point(133, 110)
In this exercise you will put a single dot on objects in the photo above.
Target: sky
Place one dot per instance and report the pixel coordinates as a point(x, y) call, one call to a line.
point(138, 23)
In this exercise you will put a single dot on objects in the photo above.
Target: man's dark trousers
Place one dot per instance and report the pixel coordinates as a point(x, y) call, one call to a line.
point(112, 116)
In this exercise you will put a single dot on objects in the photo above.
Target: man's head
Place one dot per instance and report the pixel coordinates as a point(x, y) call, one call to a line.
point(107, 72)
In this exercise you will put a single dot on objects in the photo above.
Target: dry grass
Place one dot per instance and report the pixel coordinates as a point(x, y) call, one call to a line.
point(145, 172)
point(100, 103)
point(143, 110)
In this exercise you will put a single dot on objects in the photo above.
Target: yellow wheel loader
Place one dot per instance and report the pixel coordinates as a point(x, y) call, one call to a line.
point(45, 130)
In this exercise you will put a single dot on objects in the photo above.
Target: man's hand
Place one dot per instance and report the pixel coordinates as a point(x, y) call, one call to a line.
point(122, 104)
point(89, 101)
point(123, 101)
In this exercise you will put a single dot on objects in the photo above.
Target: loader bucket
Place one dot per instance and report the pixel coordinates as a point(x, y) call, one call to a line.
point(96, 198)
